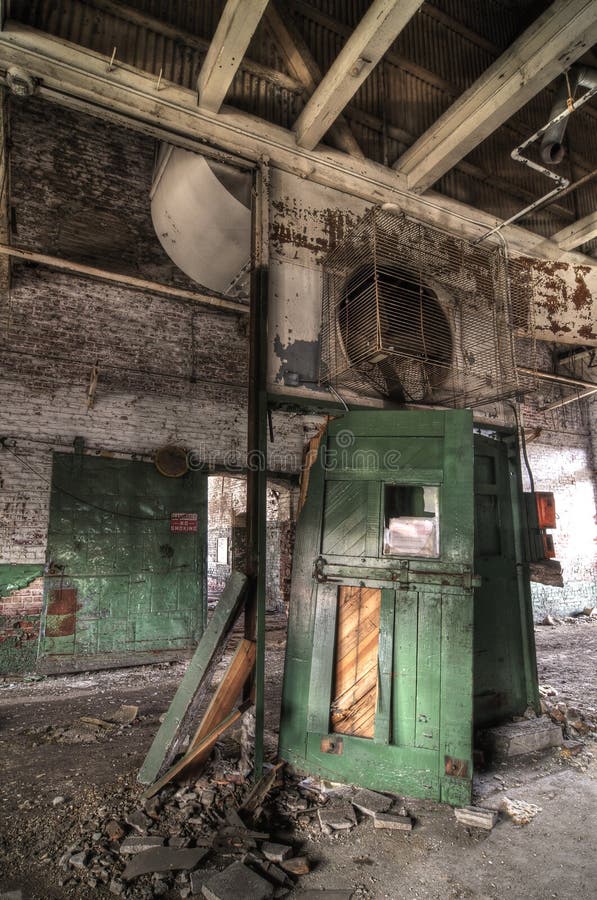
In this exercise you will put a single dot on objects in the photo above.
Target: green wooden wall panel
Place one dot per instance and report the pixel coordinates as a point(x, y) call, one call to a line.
point(404, 689)
point(345, 518)
point(322, 664)
point(410, 772)
point(137, 585)
point(411, 423)
point(301, 616)
point(429, 665)
point(504, 685)
point(456, 697)
point(383, 716)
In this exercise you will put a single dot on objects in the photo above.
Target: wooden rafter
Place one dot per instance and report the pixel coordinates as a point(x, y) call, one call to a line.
point(377, 30)
point(77, 78)
point(578, 233)
point(302, 66)
point(236, 27)
point(559, 37)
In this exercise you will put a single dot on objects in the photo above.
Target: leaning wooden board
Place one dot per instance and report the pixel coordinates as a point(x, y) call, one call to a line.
point(179, 718)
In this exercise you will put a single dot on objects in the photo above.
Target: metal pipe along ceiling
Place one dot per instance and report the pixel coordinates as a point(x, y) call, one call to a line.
point(201, 214)
point(552, 147)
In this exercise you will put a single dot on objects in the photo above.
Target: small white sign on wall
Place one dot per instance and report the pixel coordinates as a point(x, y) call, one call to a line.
point(222, 554)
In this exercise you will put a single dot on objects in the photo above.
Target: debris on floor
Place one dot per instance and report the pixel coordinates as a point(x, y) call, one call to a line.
point(520, 812)
point(222, 836)
point(574, 723)
point(517, 738)
point(125, 715)
point(476, 817)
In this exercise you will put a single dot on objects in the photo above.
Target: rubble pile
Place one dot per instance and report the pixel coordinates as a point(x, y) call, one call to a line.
point(576, 724)
point(87, 730)
point(215, 839)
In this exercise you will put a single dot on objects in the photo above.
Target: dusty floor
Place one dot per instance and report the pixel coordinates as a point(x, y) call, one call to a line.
point(43, 758)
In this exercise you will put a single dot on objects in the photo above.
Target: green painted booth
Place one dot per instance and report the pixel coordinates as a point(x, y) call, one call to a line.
point(126, 564)
point(399, 579)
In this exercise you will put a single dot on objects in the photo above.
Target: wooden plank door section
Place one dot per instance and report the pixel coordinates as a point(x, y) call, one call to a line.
point(354, 695)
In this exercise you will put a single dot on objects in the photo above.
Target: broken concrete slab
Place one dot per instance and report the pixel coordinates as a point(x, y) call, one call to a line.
point(276, 852)
point(370, 802)
point(139, 843)
point(476, 817)
point(114, 830)
point(518, 738)
point(519, 811)
point(298, 865)
point(138, 820)
point(198, 879)
point(392, 822)
point(125, 715)
point(338, 818)
point(237, 881)
point(163, 859)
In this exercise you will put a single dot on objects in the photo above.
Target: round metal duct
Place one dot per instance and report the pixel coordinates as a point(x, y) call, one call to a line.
point(202, 217)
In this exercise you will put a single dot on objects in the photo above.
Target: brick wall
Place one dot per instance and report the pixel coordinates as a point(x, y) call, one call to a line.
point(169, 371)
point(560, 451)
point(19, 626)
point(227, 509)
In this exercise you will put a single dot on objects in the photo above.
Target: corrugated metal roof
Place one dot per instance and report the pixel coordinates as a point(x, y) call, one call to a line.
point(440, 53)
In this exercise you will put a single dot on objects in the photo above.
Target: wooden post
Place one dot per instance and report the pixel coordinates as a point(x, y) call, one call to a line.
point(4, 194)
point(257, 449)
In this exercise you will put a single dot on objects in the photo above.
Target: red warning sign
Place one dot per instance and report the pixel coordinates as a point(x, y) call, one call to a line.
point(185, 523)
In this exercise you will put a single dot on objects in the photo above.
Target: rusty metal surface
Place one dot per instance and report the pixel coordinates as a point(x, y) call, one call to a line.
point(564, 298)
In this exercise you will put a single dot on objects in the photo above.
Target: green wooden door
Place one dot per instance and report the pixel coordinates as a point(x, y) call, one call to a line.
point(122, 585)
point(389, 507)
point(505, 672)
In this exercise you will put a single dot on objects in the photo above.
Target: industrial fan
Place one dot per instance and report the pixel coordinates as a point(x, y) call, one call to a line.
point(416, 315)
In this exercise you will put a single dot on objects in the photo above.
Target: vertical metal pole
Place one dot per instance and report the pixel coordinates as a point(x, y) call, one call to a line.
point(257, 448)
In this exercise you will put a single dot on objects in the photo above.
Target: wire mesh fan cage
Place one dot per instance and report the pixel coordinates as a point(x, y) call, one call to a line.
point(417, 315)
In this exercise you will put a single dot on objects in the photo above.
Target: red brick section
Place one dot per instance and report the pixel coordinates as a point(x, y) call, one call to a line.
point(20, 612)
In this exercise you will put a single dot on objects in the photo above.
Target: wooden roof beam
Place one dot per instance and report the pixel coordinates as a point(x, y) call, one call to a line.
point(377, 30)
point(302, 66)
point(81, 79)
point(562, 34)
point(237, 25)
point(578, 233)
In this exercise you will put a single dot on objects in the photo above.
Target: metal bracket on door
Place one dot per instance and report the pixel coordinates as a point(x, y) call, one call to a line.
point(332, 744)
point(404, 577)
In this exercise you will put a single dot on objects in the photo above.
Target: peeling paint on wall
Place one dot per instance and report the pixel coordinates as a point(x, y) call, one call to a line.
point(564, 300)
point(21, 591)
point(309, 227)
point(297, 358)
point(14, 577)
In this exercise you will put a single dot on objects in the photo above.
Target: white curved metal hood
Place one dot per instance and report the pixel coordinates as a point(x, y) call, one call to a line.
point(201, 214)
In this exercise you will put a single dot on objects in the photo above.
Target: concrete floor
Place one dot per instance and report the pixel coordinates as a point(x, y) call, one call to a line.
point(555, 856)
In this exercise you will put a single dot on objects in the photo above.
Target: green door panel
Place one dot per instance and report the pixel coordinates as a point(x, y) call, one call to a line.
point(345, 518)
point(505, 676)
point(122, 583)
point(422, 737)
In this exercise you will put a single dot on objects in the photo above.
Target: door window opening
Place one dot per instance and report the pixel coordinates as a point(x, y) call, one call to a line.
point(411, 520)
